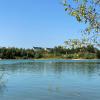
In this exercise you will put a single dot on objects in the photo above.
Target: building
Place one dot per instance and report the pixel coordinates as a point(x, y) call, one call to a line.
point(38, 48)
point(48, 49)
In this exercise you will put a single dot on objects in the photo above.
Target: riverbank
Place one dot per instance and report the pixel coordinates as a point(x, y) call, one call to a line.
point(54, 53)
point(50, 59)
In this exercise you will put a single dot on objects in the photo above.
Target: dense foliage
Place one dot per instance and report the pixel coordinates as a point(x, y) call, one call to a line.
point(87, 12)
point(15, 53)
point(88, 52)
point(98, 54)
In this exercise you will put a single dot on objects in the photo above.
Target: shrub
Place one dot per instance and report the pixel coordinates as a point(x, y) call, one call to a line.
point(38, 55)
point(89, 56)
point(69, 56)
point(75, 56)
point(98, 54)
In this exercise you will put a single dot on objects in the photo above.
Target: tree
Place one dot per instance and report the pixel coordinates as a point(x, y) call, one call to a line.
point(59, 50)
point(88, 12)
point(73, 43)
point(98, 54)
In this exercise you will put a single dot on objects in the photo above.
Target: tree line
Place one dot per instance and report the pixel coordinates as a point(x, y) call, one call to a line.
point(88, 52)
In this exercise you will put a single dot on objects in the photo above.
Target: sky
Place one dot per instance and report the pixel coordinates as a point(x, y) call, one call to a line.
point(28, 23)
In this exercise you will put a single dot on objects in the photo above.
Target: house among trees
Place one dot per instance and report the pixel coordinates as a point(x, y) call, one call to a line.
point(38, 48)
point(48, 49)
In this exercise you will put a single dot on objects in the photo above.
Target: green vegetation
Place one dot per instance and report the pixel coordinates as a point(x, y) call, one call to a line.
point(88, 52)
point(85, 11)
point(98, 54)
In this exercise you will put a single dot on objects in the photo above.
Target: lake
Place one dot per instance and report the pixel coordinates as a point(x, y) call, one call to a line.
point(50, 79)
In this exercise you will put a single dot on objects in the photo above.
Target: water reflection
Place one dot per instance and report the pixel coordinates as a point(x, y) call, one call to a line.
point(49, 79)
point(2, 83)
point(54, 67)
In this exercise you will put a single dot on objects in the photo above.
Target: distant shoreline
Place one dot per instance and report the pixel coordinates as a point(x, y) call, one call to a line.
point(50, 59)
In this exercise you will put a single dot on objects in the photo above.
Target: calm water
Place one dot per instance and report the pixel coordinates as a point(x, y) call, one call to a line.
point(50, 80)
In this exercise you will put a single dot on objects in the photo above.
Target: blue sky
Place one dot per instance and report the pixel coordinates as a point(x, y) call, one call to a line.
point(28, 23)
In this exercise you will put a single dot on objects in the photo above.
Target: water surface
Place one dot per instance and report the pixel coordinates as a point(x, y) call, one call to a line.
point(50, 80)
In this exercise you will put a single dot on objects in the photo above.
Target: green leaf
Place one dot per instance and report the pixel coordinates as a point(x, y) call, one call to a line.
point(74, 13)
point(66, 9)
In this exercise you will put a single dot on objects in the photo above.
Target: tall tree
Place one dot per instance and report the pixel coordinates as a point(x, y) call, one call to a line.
point(88, 12)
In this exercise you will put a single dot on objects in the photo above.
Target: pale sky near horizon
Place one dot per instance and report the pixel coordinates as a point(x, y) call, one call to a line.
point(28, 23)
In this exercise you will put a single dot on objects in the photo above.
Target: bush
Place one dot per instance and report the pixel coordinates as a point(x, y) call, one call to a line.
point(68, 56)
point(38, 55)
point(89, 56)
point(81, 55)
point(76, 56)
point(25, 57)
point(98, 54)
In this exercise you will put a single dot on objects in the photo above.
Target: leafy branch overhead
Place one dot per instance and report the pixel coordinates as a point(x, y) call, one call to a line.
point(87, 11)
